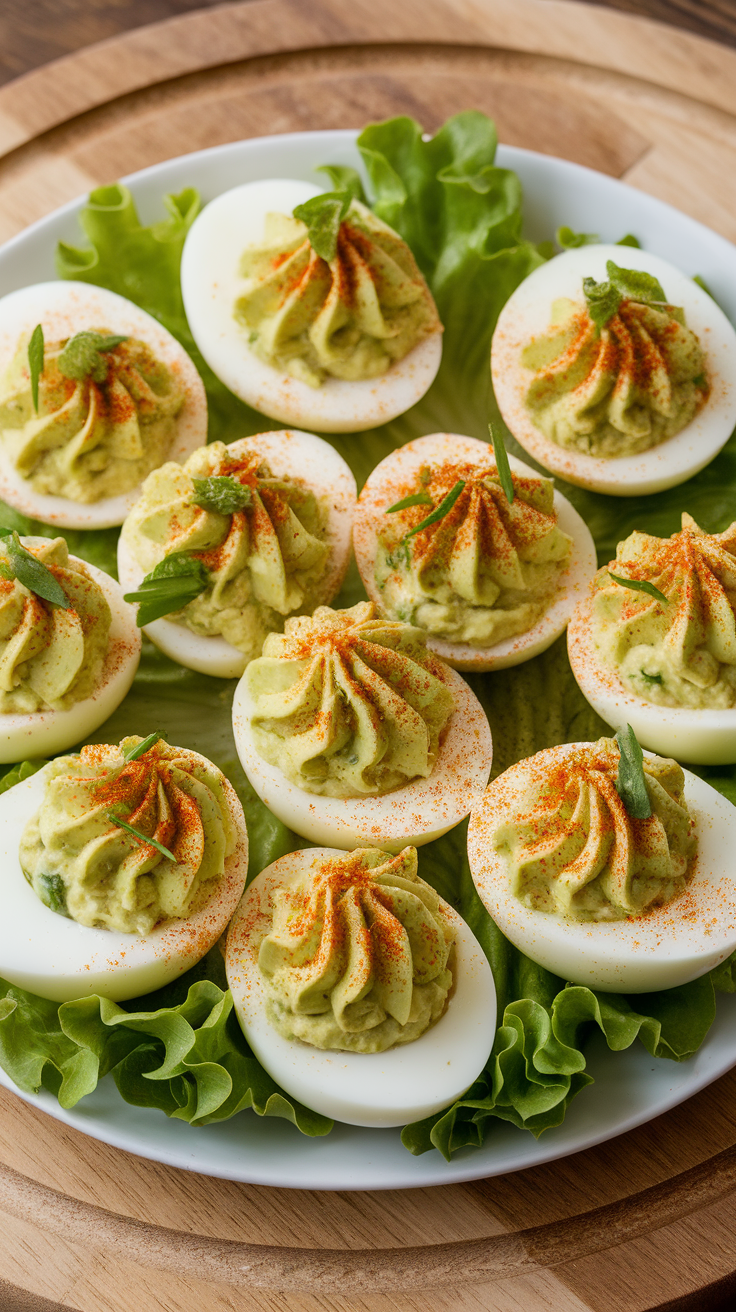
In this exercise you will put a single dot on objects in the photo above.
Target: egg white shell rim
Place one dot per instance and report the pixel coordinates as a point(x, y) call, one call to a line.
point(34, 733)
point(382, 489)
point(211, 283)
point(702, 736)
point(662, 943)
point(403, 1084)
point(65, 308)
point(420, 811)
point(526, 314)
point(304, 459)
point(55, 957)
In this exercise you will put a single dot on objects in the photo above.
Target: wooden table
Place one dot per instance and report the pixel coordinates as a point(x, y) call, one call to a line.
point(625, 1227)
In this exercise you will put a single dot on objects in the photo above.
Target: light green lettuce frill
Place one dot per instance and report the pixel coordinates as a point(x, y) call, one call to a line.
point(619, 389)
point(264, 561)
point(486, 570)
point(83, 865)
point(95, 434)
point(574, 851)
point(346, 704)
point(678, 652)
point(357, 958)
point(350, 318)
point(50, 657)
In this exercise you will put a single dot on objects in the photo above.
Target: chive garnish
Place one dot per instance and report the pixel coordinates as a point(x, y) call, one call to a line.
point(31, 572)
point(440, 511)
point(502, 463)
point(133, 753)
point(639, 585)
point(416, 499)
point(36, 348)
point(142, 838)
point(630, 784)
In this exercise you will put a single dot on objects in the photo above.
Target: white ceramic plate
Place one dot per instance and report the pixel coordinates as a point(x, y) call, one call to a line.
point(630, 1087)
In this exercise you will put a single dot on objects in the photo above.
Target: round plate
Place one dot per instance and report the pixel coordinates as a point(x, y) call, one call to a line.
point(630, 1087)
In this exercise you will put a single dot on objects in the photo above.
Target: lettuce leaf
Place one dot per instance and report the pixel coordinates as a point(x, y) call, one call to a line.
point(181, 1049)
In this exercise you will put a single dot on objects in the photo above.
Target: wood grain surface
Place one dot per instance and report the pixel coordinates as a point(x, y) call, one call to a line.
point(628, 1226)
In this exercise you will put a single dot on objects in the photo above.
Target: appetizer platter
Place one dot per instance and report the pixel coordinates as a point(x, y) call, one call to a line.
point(271, 1151)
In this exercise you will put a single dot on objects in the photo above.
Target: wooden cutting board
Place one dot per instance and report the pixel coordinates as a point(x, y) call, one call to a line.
point(636, 1222)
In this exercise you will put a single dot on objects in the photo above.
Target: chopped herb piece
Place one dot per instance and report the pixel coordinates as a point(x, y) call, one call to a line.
point(639, 585)
point(440, 511)
point(173, 583)
point(395, 559)
point(133, 753)
point(142, 838)
point(630, 783)
point(83, 356)
point(36, 348)
point(604, 298)
point(651, 678)
point(629, 240)
point(323, 216)
point(416, 499)
point(221, 493)
point(53, 893)
point(502, 463)
point(570, 241)
point(700, 380)
point(31, 572)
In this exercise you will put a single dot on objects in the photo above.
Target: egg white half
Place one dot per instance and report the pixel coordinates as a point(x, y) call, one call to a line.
point(390, 481)
point(705, 737)
point(403, 1084)
point(665, 948)
point(527, 314)
point(63, 309)
point(306, 460)
point(211, 283)
point(415, 814)
point(53, 956)
point(43, 733)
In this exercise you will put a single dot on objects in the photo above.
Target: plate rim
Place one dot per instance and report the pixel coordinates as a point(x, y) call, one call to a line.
point(469, 1164)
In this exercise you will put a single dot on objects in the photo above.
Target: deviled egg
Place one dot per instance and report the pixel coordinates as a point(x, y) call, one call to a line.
point(257, 530)
point(353, 733)
point(654, 642)
point(359, 989)
point(491, 583)
point(69, 647)
point(622, 380)
point(616, 896)
point(116, 396)
point(90, 906)
point(337, 344)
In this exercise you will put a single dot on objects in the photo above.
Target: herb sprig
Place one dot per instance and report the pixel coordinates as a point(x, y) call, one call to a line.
point(173, 583)
point(84, 356)
point(630, 783)
point(142, 838)
point(639, 585)
point(604, 298)
point(502, 463)
point(221, 493)
point(31, 572)
point(132, 753)
point(36, 351)
point(416, 499)
point(439, 511)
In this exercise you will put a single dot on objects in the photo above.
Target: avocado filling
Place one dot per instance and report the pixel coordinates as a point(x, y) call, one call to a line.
point(85, 865)
point(357, 957)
